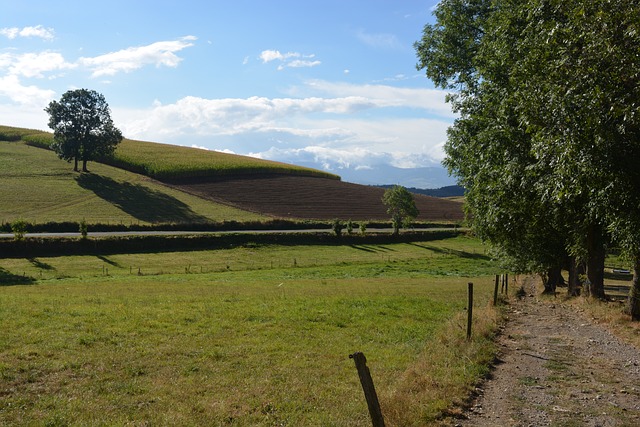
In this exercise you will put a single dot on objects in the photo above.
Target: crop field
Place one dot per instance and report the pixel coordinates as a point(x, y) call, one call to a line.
point(39, 187)
point(315, 198)
point(171, 162)
point(254, 335)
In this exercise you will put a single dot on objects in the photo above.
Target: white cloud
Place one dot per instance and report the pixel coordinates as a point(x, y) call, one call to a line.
point(299, 63)
point(287, 59)
point(431, 100)
point(133, 58)
point(237, 115)
point(12, 88)
point(272, 55)
point(37, 31)
point(34, 64)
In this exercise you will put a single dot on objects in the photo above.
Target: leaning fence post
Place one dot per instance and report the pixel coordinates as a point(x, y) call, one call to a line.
point(470, 311)
point(495, 291)
point(368, 388)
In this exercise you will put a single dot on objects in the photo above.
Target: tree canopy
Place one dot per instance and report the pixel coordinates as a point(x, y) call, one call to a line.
point(82, 127)
point(547, 141)
point(401, 206)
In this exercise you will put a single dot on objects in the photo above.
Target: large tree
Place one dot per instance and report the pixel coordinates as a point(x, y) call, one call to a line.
point(547, 92)
point(82, 127)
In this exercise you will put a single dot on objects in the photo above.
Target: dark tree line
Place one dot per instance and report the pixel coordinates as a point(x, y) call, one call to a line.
point(547, 143)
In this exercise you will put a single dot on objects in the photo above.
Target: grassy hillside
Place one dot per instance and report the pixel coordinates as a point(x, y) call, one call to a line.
point(39, 187)
point(171, 162)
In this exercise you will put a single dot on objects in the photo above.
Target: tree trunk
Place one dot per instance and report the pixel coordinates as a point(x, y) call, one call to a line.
point(84, 165)
point(553, 279)
point(576, 269)
point(633, 303)
point(75, 164)
point(595, 262)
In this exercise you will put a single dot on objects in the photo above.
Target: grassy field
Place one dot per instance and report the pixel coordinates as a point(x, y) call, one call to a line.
point(265, 341)
point(171, 162)
point(39, 187)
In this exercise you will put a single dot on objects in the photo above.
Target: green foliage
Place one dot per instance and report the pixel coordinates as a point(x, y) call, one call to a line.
point(82, 127)
point(337, 227)
point(546, 143)
point(83, 228)
point(363, 228)
point(349, 227)
point(401, 206)
point(19, 229)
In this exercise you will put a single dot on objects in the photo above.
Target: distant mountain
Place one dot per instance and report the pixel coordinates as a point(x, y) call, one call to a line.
point(448, 191)
point(425, 177)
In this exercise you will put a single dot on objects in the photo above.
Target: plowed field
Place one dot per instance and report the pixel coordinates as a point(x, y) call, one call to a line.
point(314, 198)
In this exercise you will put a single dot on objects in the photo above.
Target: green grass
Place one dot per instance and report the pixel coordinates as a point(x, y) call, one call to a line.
point(252, 345)
point(171, 162)
point(162, 161)
point(39, 187)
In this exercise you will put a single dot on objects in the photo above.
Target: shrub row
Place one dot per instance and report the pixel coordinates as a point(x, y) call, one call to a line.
point(28, 248)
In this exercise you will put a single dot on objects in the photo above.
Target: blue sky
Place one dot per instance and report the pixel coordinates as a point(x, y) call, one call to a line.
point(324, 83)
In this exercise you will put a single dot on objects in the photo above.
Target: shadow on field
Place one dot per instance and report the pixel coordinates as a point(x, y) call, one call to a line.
point(369, 248)
point(461, 254)
point(108, 261)
point(138, 201)
point(10, 279)
point(39, 264)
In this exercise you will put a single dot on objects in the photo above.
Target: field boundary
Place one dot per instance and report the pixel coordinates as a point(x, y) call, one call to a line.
point(38, 247)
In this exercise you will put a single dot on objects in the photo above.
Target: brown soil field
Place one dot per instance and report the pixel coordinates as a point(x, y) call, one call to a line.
point(314, 198)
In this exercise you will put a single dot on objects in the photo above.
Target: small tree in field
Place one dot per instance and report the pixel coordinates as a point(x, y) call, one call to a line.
point(82, 127)
point(401, 206)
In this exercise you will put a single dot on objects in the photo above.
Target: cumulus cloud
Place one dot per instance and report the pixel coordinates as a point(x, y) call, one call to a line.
point(239, 115)
point(133, 58)
point(289, 59)
point(33, 64)
point(431, 100)
point(37, 31)
point(12, 88)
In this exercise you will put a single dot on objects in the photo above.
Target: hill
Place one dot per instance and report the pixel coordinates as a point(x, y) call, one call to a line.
point(174, 184)
point(313, 198)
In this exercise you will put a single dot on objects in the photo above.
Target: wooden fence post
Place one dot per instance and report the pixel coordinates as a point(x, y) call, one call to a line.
point(470, 311)
point(506, 284)
point(368, 388)
point(495, 291)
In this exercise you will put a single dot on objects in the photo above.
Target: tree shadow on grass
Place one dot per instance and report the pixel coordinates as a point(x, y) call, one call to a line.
point(140, 202)
point(461, 254)
point(41, 265)
point(9, 279)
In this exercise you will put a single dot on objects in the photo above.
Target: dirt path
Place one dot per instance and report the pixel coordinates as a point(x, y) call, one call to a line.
point(558, 368)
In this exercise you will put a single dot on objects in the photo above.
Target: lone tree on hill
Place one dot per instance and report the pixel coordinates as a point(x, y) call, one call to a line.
point(401, 206)
point(82, 127)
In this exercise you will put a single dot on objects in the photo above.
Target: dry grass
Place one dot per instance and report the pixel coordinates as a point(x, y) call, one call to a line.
point(449, 366)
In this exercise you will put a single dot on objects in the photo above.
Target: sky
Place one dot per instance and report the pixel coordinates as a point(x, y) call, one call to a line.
point(330, 84)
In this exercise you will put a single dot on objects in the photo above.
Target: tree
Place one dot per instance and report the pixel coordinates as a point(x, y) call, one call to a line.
point(547, 92)
point(401, 206)
point(82, 127)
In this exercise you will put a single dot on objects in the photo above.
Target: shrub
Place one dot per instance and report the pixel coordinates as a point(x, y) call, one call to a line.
point(337, 227)
point(19, 228)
